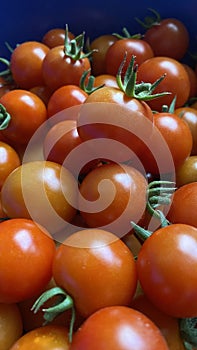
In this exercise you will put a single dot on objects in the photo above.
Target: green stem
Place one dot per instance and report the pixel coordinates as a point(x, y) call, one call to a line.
point(64, 302)
point(188, 331)
point(5, 118)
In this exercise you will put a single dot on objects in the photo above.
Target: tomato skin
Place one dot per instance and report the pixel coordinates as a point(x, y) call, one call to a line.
point(116, 52)
point(29, 246)
point(168, 325)
point(166, 260)
point(100, 45)
point(114, 117)
point(178, 138)
point(184, 205)
point(121, 200)
point(169, 38)
point(82, 267)
point(106, 79)
point(187, 172)
point(59, 70)
point(65, 97)
point(176, 80)
point(193, 80)
point(26, 64)
point(189, 115)
point(11, 325)
point(53, 184)
point(43, 92)
point(27, 112)
point(120, 328)
point(9, 160)
point(44, 338)
point(55, 37)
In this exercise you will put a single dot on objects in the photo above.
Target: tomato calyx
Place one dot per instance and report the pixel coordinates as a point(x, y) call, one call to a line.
point(89, 86)
point(150, 21)
point(5, 117)
point(188, 332)
point(127, 35)
point(141, 91)
point(64, 302)
point(74, 48)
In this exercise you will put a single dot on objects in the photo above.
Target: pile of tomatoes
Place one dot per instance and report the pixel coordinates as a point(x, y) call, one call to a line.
point(98, 181)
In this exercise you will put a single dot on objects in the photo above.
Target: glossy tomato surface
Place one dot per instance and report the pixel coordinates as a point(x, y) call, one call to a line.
point(111, 196)
point(44, 338)
point(42, 190)
point(97, 269)
point(9, 160)
point(165, 262)
point(120, 328)
point(11, 325)
point(27, 252)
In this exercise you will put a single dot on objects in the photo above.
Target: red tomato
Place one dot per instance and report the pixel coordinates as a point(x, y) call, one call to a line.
point(176, 80)
point(178, 139)
point(168, 37)
point(27, 112)
point(168, 325)
point(44, 338)
point(59, 69)
point(166, 260)
point(26, 64)
point(189, 115)
point(43, 92)
point(65, 97)
point(116, 52)
point(9, 160)
point(120, 328)
point(100, 46)
point(97, 269)
point(187, 172)
point(5, 86)
point(184, 205)
point(112, 196)
point(121, 120)
point(55, 37)
point(11, 325)
point(46, 183)
point(28, 247)
point(106, 80)
point(193, 80)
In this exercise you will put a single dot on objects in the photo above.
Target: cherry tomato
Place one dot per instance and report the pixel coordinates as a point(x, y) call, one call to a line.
point(9, 160)
point(11, 325)
point(193, 80)
point(187, 172)
point(176, 80)
point(115, 195)
point(42, 190)
point(5, 86)
point(26, 64)
point(118, 327)
point(189, 114)
point(100, 46)
point(55, 37)
point(28, 247)
point(106, 80)
point(96, 268)
point(59, 69)
point(168, 325)
point(168, 37)
point(116, 52)
point(65, 97)
point(44, 338)
point(27, 112)
point(184, 205)
point(43, 92)
point(178, 138)
point(166, 260)
point(117, 118)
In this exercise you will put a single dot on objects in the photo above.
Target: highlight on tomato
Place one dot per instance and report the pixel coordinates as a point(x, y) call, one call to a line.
point(27, 252)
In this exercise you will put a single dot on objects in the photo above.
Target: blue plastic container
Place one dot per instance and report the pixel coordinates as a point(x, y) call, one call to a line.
point(28, 20)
